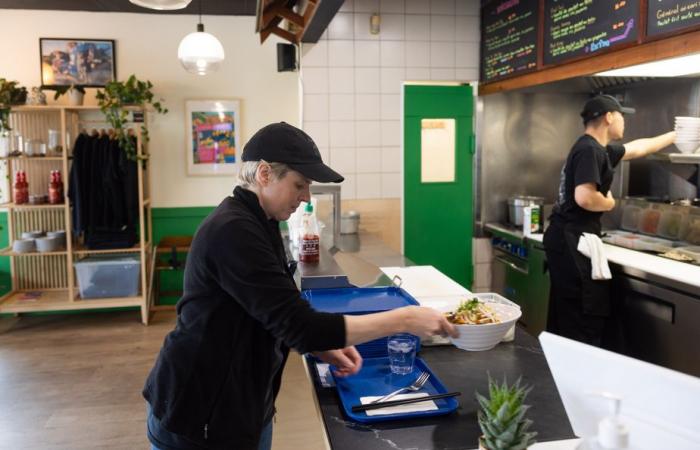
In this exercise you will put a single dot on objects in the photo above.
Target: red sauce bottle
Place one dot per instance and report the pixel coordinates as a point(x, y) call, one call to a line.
point(309, 239)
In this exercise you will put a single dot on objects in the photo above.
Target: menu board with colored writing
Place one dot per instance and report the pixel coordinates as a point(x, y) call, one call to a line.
point(665, 16)
point(575, 28)
point(508, 38)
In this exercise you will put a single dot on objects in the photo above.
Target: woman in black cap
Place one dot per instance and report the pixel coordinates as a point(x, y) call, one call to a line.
point(216, 377)
point(579, 305)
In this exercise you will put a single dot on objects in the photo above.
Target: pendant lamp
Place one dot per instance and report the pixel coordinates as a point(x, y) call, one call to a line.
point(200, 52)
point(163, 5)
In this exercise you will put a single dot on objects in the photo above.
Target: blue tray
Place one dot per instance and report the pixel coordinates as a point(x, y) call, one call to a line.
point(361, 301)
point(375, 378)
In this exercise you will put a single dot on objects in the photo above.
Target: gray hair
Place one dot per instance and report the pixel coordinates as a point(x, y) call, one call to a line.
point(246, 176)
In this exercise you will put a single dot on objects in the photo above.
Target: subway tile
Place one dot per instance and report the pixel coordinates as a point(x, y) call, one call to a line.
point(392, 27)
point(391, 159)
point(318, 131)
point(392, 54)
point(391, 80)
point(467, 54)
point(391, 6)
point(417, 6)
point(315, 107)
point(367, 80)
point(315, 55)
point(369, 185)
point(368, 160)
point(417, 28)
point(418, 74)
point(391, 185)
point(366, 54)
point(391, 133)
point(342, 107)
point(468, 8)
point(315, 80)
point(367, 106)
point(482, 250)
point(342, 134)
point(341, 80)
point(467, 74)
point(442, 55)
point(442, 28)
point(342, 27)
point(343, 159)
point(347, 6)
point(467, 29)
point(391, 106)
point(347, 187)
point(442, 7)
point(340, 53)
point(366, 6)
point(325, 154)
point(362, 28)
point(418, 54)
point(368, 134)
point(442, 74)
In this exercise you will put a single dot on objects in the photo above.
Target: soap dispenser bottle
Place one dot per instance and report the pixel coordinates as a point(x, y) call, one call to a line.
point(612, 433)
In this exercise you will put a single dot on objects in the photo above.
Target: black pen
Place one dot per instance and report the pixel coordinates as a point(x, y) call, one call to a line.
point(359, 408)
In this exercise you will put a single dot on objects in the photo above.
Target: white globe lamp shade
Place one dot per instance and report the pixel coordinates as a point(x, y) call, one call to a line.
point(162, 5)
point(200, 52)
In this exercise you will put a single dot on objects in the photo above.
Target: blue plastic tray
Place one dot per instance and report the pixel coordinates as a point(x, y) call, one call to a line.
point(375, 378)
point(361, 301)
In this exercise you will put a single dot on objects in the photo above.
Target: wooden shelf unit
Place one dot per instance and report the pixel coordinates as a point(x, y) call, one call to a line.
point(43, 282)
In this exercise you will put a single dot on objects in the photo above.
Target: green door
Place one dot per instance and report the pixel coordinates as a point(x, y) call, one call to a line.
point(438, 156)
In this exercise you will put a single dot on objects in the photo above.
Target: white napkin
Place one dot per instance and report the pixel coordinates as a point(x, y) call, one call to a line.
point(427, 405)
point(591, 245)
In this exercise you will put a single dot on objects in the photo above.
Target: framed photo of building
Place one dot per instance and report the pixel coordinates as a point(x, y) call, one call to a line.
point(83, 62)
point(213, 130)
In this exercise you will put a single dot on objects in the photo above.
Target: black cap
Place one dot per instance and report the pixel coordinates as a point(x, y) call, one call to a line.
point(283, 143)
point(601, 104)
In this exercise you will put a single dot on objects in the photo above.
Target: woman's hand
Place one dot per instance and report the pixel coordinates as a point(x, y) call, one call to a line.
point(425, 322)
point(347, 361)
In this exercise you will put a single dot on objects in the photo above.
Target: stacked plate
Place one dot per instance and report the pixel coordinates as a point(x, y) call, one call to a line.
point(687, 134)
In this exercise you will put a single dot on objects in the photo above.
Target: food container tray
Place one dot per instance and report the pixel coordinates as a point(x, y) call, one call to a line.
point(375, 378)
point(693, 252)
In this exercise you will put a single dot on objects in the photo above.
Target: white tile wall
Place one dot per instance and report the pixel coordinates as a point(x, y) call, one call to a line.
point(352, 82)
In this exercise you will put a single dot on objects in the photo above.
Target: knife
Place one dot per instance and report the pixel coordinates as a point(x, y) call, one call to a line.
point(359, 408)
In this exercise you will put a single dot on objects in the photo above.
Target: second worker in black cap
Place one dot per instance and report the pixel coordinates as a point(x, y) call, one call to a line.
point(217, 375)
point(578, 305)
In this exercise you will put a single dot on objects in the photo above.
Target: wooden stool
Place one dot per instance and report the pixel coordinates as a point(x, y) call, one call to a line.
point(172, 245)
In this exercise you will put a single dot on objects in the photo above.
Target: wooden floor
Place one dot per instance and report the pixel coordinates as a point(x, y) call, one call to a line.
point(74, 382)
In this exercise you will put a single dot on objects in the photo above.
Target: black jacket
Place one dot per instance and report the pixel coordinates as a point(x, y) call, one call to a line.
point(219, 371)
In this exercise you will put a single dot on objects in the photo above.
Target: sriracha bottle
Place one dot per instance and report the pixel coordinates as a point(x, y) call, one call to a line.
point(309, 239)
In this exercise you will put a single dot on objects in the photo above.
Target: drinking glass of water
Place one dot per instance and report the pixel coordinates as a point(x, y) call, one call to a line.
point(402, 353)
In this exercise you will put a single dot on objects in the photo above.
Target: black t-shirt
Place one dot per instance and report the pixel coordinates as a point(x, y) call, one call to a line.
point(588, 162)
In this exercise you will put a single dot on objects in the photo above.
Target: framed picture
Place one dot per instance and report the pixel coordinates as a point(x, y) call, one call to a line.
point(84, 62)
point(213, 136)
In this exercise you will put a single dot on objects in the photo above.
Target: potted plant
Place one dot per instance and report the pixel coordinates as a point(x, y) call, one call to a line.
point(114, 99)
point(11, 93)
point(502, 417)
point(75, 93)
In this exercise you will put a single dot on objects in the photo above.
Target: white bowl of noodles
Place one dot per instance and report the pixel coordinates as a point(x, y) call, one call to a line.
point(486, 328)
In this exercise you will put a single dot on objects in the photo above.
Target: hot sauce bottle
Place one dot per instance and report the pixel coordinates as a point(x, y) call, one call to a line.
point(309, 239)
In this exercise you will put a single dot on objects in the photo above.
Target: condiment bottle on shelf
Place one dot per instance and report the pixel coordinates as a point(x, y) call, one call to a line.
point(20, 190)
point(309, 239)
point(55, 188)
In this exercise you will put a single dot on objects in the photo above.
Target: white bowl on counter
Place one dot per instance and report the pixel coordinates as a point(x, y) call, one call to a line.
point(687, 146)
point(48, 244)
point(477, 338)
point(23, 246)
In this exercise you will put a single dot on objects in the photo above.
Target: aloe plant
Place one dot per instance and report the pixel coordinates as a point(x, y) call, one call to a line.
point(113, 100)
point(502, 417)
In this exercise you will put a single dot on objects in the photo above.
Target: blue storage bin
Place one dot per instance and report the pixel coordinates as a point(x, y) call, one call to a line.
point(108, 276)
point(359, 301)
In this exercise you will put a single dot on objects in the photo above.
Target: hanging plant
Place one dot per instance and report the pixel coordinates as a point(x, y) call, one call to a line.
point(114, 99)
point(11, 93)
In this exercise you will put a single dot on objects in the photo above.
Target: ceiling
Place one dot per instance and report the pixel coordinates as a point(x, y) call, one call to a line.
point(209, 7)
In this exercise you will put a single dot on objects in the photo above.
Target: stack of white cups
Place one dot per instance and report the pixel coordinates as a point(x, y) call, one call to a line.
point(687, 134)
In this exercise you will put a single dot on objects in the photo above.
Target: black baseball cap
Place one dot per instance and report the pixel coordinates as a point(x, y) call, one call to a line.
point(601, 104)
point(284, 143)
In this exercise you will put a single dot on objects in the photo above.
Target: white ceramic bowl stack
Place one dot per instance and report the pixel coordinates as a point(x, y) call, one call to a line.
point(687, 134)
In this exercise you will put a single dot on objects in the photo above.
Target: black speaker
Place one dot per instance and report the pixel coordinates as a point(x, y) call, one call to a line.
point(286, 57)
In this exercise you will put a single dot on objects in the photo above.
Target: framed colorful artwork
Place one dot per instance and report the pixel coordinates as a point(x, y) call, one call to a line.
point(213, 136)
point(81, 62)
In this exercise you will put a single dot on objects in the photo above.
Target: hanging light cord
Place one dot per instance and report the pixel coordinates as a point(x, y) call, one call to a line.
point(200, 25)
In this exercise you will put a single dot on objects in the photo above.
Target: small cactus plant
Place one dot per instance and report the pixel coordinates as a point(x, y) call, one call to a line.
point(502, 417)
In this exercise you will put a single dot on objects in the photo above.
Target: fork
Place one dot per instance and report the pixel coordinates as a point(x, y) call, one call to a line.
point(420, 381)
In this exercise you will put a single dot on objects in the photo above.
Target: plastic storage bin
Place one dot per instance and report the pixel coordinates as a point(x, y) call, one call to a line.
point(108, 276)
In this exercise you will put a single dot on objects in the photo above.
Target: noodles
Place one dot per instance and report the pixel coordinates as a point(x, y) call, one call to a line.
point(472, 312)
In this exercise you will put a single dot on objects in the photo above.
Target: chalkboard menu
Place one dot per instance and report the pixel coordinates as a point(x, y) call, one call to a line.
point(665, 16)
point(508, 38)
point(583, 27)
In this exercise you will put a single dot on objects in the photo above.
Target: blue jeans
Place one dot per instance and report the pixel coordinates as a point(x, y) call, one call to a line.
point(173, 440)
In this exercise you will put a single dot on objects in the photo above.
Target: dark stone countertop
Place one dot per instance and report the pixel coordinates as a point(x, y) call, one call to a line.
point(460, 371)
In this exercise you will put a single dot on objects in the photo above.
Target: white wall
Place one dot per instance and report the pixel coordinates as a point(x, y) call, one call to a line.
point(146, 45)
point(352, 81)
